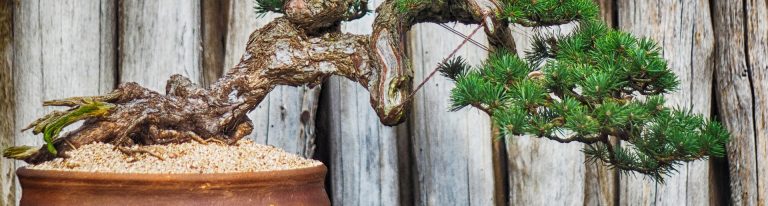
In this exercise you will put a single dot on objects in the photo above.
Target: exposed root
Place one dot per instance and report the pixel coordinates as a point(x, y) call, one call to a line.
point(197, 138)
point(214, 140)
point(123, 138)
point(132, 152)
point(200, 140)
point(70, 144)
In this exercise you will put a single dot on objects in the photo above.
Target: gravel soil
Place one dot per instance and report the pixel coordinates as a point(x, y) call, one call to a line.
point(191, 157)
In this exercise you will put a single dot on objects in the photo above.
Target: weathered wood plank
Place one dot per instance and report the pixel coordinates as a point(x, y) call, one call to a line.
point(757, 48)
point(452, 150)
point(741, 93)
point(7, 103)
point(62, 49)
point(607, 11)
point(541, 171)
point(684, 30)
point(278, 119)
point(600, 185)
point(214, 31)
point(363, 152)
point(364, 167)
point(159, 39)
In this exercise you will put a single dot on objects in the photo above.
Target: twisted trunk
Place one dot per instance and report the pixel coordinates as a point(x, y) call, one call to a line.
point(303, 47)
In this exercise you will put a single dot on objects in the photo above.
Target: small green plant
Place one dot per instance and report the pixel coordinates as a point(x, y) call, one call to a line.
point(596, 85)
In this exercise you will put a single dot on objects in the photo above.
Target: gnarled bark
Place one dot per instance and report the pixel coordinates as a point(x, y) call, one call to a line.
point(303, 47)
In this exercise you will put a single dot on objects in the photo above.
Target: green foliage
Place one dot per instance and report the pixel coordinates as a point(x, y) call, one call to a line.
point(594, 86)
point(405, 5)
point(548, 12)
point(84, 111)
point(52, 124)
point(265, 6)
point(453, 68)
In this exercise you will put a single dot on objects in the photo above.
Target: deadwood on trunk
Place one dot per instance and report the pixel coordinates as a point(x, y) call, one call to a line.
point(286, 116)
point(303, 47)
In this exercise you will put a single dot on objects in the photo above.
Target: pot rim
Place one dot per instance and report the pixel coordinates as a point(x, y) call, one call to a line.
point(216, 180)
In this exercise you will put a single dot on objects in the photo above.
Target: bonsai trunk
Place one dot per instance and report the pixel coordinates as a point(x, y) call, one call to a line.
point(303, 47)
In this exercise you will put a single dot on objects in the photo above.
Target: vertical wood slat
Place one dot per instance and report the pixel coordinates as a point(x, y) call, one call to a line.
point(452, 150)
point(601, 182)
point(7, 103)
point(159, 39)
point(541, 171)
point(600, 185)
point(607, 10)
point(757, 48)
point(742, 94)
point(684, 30)
point(214, 31)
point(278, 119)
point(363, 152)
point(58, 54)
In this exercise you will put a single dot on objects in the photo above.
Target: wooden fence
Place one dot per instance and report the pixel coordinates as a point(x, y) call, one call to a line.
point(719, 49)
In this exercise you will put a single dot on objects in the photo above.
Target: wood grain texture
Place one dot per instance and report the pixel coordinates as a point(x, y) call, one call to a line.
point(452, 150)
point(61, 49)
point(757, 48)
point(159, 39)
point(541, 171)
point(214, 31)
point(607, 10)
point(742, 94)
point(684, 30)
point(364, 153)
point(364, 167)
point(600, 185)
point(286, 117)
point(7, 103)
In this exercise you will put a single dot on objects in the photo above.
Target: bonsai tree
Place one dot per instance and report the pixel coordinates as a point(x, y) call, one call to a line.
point(578, 87)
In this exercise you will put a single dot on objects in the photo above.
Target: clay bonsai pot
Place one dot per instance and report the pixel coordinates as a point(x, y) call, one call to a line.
point(285, 187)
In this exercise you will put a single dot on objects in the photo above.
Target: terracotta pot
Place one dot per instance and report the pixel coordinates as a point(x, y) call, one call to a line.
point(286, 187)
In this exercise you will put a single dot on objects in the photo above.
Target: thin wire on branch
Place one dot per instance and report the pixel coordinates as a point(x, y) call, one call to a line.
point(434, 71)
point(454, 31)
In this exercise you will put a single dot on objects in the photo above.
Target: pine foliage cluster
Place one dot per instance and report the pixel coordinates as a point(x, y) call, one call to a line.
point(596, 85)
point(262, 7)
point(590, 86)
